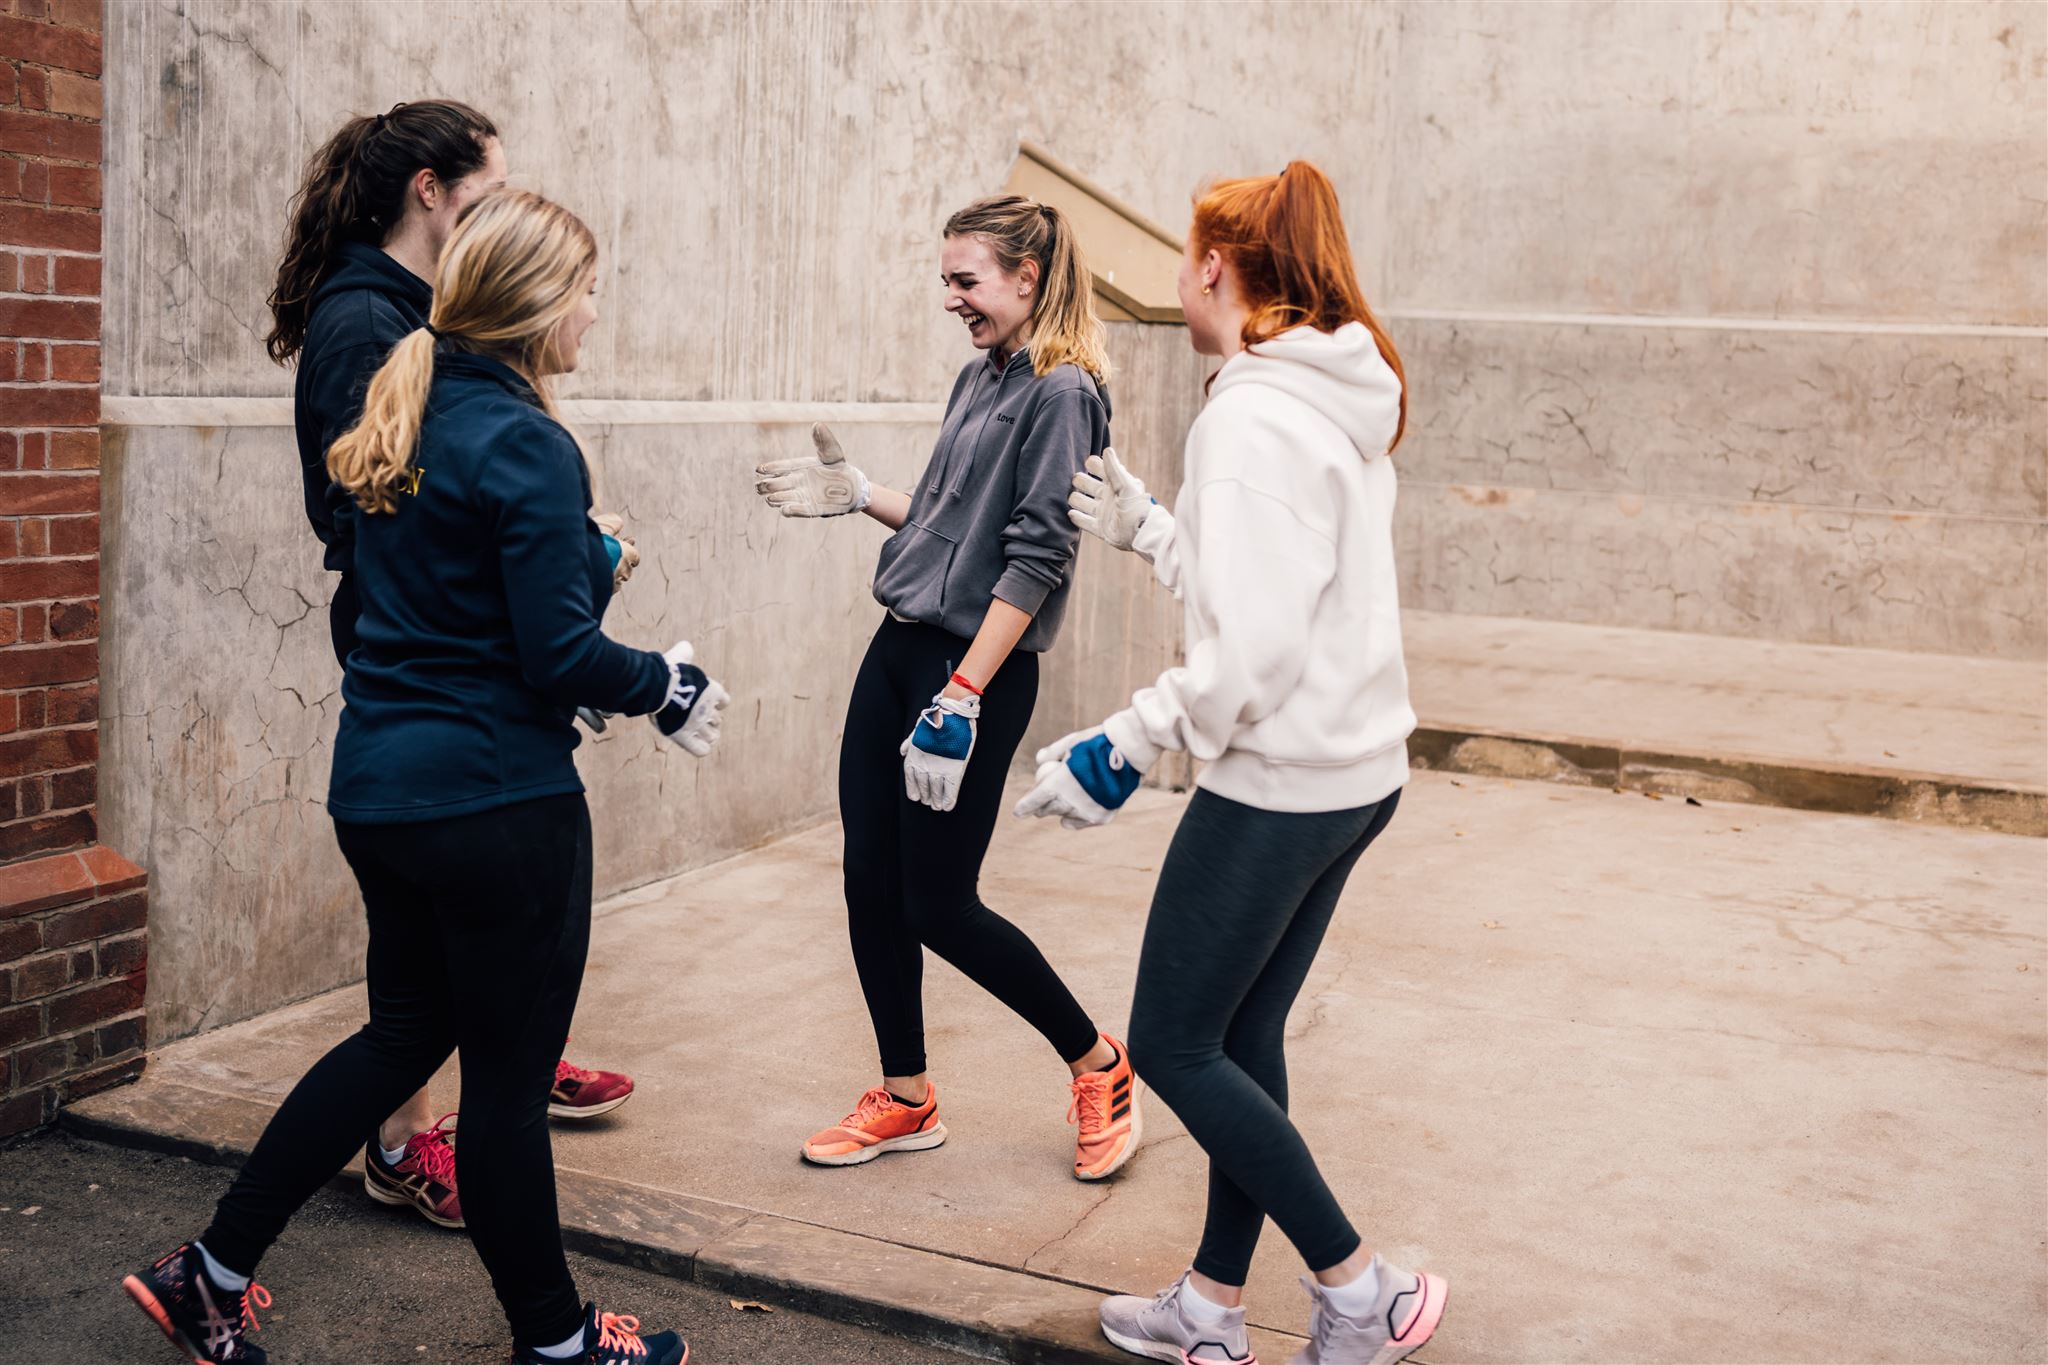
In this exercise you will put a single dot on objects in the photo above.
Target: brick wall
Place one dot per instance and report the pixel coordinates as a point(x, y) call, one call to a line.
point(72, 950)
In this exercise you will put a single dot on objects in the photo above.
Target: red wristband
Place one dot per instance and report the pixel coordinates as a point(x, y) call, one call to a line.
point(956, 678)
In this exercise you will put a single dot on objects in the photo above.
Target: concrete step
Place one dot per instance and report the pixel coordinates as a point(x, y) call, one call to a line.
point(1927, 737)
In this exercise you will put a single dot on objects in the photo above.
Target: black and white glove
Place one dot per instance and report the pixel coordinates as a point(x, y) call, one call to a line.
point(690, 716)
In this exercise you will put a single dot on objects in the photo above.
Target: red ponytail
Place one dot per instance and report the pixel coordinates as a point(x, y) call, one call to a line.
point(1284, 239)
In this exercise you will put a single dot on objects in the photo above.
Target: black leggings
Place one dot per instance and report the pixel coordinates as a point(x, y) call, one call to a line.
point(478, 929)
point(912, 873)
point(1243, 900)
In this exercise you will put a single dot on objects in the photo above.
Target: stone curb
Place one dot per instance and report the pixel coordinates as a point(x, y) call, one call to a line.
point(984, 1310)
point(1844, 789)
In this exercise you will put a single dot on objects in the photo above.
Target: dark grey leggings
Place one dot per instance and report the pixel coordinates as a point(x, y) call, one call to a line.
point(1239, 915)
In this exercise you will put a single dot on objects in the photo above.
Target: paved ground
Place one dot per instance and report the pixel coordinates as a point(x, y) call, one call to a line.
point(1874, 709)
point(352, 1282)
point(1646, 1080)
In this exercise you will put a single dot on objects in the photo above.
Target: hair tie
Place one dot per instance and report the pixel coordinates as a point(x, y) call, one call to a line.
point(433, 331)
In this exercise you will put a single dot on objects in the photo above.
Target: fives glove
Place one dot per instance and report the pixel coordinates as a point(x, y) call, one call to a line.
point(1083, 779)
point(1109, 501)
point(690, 716)
point(820, 485)
point(936, 750)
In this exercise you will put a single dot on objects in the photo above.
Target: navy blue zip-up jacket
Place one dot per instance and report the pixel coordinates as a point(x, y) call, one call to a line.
point(365, 306)
point(481, 600)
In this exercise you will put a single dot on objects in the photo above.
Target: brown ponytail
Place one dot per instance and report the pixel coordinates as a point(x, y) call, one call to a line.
point(1284, 238)
point(1064, 327)
point(354, 190)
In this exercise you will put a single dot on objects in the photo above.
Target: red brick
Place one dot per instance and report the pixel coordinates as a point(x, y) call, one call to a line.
point(123, 1035)
point(48, 319)
point(47, 579)
point(10, 717)
point(110, 872)
point(31, 1109)
point(31, 536)
point(74, 449)
point(32, 268)
point(20, 1024)
point(32, 9)
point(72, 535)
point(76, 187)
point(96, 1004)
point(50, 229)
point(10, 801)
point(73, 49)
point(10, 272)
point(10, 539)
point(44, 884)
point(31, 704)
point(74, 706)
point(104, 1078)
point(75, 364)
point(27, 495)
point(73, 789)
point(44, 975)
point(71, 621)
point(45, 1061)
point(32, 446)
point(50, 405)
point(47, 833)
point(125, 954)
point(10, 169)
point(10, 625)
point(75, 275)
point(21, 937)
point(33, 794)
point(83, 14)
point(83, 923)
point(35, 623)
point(36, 134)
point(33, 365)
point(35, 88)
point(47, 751)
point(78, 96)
point(7, 82)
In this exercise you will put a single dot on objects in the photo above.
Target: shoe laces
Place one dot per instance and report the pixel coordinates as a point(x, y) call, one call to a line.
point(253, 1298)
point(566, 1070)
point(433, 1153)
point(619, 1332)
point(873, 1104)
point(1090, 1108)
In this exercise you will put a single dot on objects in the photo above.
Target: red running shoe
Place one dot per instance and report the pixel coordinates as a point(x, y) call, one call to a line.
point(580, 1094)
point(423, 1178)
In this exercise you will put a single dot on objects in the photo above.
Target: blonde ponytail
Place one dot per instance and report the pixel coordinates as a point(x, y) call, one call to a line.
point(515, 267)
point(372, 458)
point(1064, 327)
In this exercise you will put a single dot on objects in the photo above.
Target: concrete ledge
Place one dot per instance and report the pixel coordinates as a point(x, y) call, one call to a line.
point(949, 1301)
point(2004, 808)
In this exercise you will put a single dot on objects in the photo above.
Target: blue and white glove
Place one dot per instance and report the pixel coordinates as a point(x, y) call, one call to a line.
point(690, 715)
point(936, 750)
point(1083, 779)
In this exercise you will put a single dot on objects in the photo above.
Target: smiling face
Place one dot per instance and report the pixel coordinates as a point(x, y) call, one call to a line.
point(994, 304)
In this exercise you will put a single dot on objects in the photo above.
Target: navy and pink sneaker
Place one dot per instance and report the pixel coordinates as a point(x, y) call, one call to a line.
point(201, 1319)
point(614, 1339)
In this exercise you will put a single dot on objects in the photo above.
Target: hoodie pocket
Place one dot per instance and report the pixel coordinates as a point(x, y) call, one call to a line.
point(910, 579)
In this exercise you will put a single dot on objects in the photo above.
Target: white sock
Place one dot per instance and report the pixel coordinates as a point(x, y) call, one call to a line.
point(562, 1350)
point(1198, 1306)
point(1357, 1299)
point(220, 1274)
point(392, 1155)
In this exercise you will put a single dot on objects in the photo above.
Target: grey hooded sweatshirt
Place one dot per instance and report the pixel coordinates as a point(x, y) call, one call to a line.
point(989, 517)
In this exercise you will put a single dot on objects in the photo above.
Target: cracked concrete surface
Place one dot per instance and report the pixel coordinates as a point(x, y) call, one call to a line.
point(1602, 1061)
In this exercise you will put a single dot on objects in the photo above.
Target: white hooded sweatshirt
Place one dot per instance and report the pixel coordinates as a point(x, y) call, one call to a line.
point(1281, 547)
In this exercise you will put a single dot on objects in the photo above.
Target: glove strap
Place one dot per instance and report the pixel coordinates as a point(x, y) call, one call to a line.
point(959, 681)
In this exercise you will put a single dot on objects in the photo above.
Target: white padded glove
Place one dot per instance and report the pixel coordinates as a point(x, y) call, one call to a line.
point(820, 485)
point(936, 750)
point(1109, 501)
point(690, 716)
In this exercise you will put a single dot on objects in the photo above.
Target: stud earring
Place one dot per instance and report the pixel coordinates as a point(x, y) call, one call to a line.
point(1205, 289)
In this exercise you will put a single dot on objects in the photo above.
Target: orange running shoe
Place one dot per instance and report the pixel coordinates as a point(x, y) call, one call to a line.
point(1105, 1108)
point(879, 1123)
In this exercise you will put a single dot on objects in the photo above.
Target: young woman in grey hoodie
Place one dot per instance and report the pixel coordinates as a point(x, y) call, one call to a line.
point(975, 582)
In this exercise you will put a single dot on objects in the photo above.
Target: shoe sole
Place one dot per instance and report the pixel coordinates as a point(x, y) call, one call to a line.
point(147, 1302)
point(1155, 1350)
point(1436, 1296)
point(588, 1111)
point(909, 1142)
point(1130, 1150)
point(397, 1200)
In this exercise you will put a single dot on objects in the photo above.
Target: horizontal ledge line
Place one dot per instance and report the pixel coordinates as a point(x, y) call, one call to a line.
point(1744, 504)
point(154, 411)
point(1652, 321)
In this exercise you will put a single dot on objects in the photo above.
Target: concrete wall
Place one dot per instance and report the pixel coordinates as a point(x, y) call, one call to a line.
point(767, 182)
point(1726, 317)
